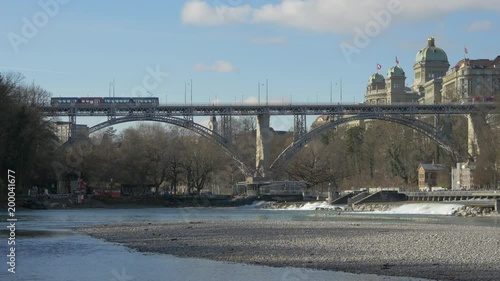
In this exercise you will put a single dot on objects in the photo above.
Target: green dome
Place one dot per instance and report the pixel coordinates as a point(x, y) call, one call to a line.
point(377, 78)
point(396, 71)
point(431, 53)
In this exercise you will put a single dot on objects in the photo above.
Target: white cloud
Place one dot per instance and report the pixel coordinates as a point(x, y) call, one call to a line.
point(479, 26)
point(338, 16)
point(219, 66)
point(201, 13)
point(279, 40)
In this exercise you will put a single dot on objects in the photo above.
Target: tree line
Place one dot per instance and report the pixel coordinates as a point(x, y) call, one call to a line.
point(27, 139)
point(383, 154)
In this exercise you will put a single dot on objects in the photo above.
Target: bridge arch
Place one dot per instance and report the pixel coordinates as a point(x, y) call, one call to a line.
point(428, 130)
point(184, 123)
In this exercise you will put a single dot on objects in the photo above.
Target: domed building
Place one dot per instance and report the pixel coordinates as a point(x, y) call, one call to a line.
point(434, 81)
point(389, 90)
point(431, 63)
point(375, 92)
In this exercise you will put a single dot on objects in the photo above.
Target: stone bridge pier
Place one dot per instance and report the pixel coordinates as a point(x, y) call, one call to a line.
point(473, 123)
point(263, 143)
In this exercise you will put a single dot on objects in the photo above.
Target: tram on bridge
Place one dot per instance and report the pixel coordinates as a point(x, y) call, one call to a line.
point(89, 101)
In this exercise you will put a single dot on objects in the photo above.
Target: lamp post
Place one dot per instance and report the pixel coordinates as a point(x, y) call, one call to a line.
point(185, 92)
point(258, 98)
point(267, 92)
point(331, 92)
point(258, 91)
point(340, 90)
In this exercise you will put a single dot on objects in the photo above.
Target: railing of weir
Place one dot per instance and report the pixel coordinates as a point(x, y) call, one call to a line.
point(464, 193)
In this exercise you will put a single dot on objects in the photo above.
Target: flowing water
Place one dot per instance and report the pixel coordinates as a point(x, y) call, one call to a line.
point(48, 249)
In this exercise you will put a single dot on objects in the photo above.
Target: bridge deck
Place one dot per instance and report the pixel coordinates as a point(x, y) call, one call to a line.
point(247, 109)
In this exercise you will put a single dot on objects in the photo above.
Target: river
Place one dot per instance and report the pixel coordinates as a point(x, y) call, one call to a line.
point(47, 247)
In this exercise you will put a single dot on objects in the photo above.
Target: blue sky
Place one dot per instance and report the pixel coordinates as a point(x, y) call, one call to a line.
point(227, 46)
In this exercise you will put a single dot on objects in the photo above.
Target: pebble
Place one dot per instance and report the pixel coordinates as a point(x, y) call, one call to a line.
point(443, 252)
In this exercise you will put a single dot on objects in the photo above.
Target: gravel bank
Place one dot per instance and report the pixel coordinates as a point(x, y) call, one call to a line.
point(442, 252)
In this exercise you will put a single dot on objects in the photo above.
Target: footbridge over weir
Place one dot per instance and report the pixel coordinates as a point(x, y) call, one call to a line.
point(182, 115)
point(477, 197)
point(440, 196)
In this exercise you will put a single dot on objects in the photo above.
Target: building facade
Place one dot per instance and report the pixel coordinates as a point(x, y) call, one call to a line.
point(472, 81)
point(63, 131)
point(462, 177)
point(435, 82)
point(431, 63)
point(389, 90)
point(433, 175)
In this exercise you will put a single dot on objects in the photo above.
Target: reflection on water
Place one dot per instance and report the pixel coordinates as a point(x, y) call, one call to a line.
point(47, 248)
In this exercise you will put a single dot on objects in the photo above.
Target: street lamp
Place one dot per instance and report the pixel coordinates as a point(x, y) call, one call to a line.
point(185, 92)
point(340, 90)
point(259, 84)
point(331, 92)
point(267, 92)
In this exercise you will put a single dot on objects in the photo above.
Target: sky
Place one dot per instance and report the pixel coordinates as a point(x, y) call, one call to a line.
point(303, 48)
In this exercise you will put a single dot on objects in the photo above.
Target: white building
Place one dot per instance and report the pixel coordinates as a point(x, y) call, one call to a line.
point(462, 177)
point(63, 131)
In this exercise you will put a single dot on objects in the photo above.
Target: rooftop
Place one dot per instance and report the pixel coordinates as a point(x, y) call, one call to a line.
point(434, 167)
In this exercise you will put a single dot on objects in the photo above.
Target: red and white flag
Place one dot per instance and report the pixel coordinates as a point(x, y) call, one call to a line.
point(379, 66)
point(397, 61)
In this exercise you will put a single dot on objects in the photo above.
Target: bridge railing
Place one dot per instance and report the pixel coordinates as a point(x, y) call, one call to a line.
point(453, 193)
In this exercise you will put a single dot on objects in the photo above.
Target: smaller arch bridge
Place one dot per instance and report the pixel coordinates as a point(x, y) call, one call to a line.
point(184, 123)
point(444, 141)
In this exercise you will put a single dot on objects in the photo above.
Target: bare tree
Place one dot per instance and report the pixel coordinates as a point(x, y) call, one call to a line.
point(201, 160)
point(27, 140)
point(318, 165)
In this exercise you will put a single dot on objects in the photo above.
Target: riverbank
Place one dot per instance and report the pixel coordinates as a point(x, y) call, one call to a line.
point(71, 202)
point(443, 252)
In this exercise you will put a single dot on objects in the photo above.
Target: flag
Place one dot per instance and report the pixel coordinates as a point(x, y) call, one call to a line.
point(379, 67)
point(465, 50)
point(397, 61)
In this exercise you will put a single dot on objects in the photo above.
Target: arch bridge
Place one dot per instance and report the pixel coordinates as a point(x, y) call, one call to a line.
point(182, 116)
